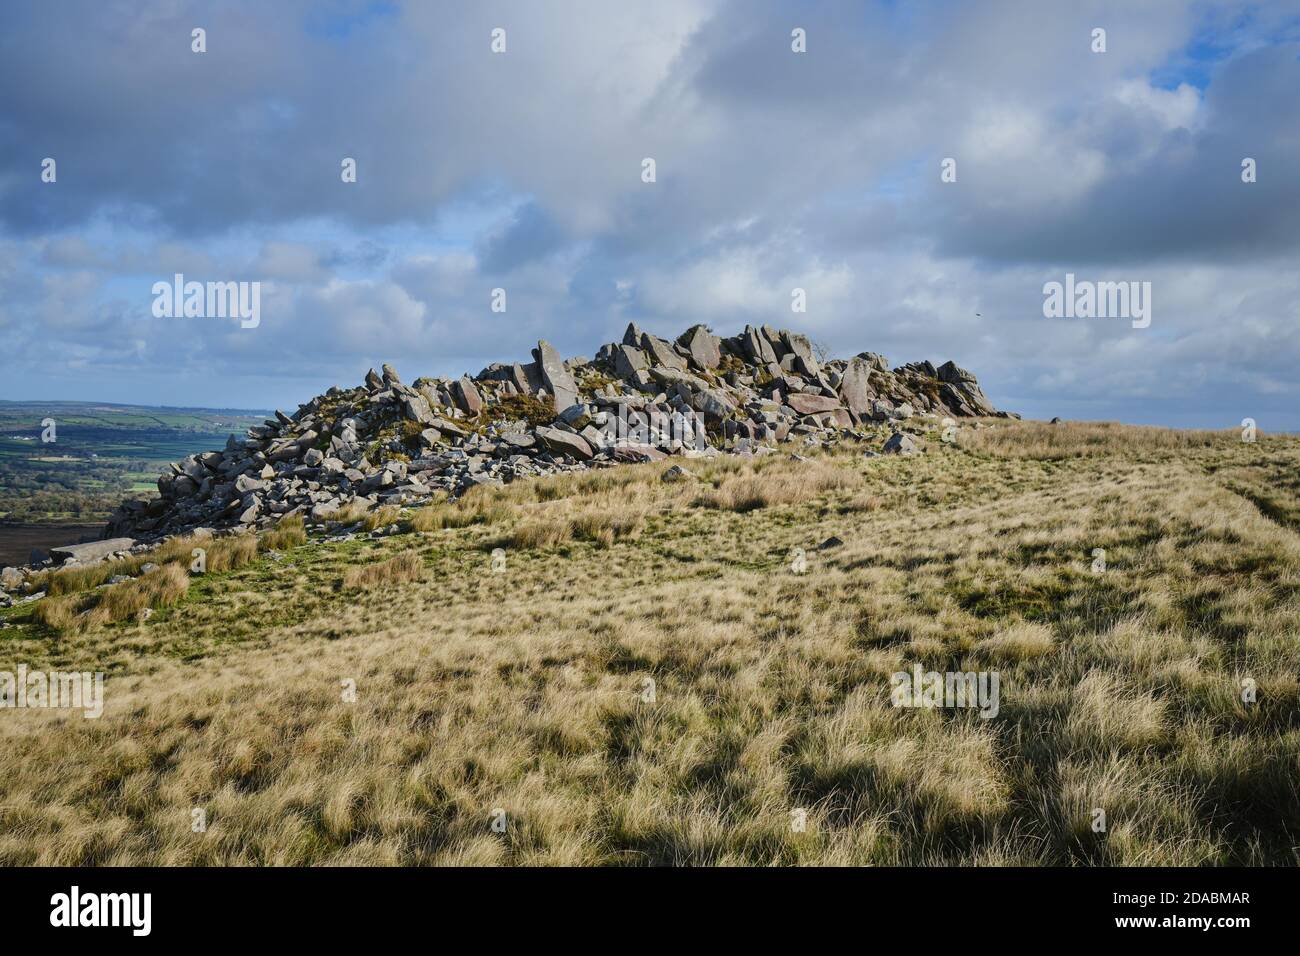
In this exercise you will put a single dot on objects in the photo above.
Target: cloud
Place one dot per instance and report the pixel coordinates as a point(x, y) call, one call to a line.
point(776, 170)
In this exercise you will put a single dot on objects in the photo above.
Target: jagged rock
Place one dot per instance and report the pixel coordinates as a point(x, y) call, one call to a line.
point(519, 378)
point(714, 405)
point(953, 373)
point(244, 484)
point(449, 428)
point(576, 417)
point(660, 353)
point(519, 440)
point(704, 347)
point(322, 511)
point(855, 386)
point(467, 397)
point(555, 376)
point(806, 404)
point(675, 376)
point(628, 360)
point(637, 454)
point(801, 349)
point(565, 443)
point(900, 444)
point(668, 398)
point(756, 346)
point(91, 551)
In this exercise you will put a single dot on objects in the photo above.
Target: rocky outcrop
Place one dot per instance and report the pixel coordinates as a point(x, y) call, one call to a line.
point(640, 399)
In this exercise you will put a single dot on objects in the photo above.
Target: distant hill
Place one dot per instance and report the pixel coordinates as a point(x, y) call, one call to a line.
point(100, 452)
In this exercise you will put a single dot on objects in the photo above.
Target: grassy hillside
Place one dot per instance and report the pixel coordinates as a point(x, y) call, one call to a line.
point(525, 690)
point(101, 453)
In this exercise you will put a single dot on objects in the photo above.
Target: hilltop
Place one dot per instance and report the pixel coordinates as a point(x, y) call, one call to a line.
point(641, 399)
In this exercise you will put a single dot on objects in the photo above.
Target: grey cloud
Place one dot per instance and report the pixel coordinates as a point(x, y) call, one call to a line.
point(775, 169)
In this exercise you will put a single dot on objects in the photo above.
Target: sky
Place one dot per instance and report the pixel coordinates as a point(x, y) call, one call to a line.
point(775, 170)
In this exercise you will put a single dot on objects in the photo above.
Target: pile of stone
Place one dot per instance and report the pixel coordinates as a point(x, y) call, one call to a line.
point(385, 442)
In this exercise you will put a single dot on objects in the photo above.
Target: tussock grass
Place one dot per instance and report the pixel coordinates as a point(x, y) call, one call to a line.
point(75, 579)
point(473, 508)
point(1019, 642)
point(541, 533)
point(1040, 440)
point(524, 687)
point(288, 533)
point(397, 570)
point(230, 553)
point(79, 613)
point(751, 491)
point(352, 512)
point(381, 517)
point(602, 526)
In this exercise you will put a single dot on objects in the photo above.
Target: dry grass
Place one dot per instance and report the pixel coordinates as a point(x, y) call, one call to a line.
point(1066, 440)
point(541, 533)
point(288, 533)
point(475, 507)
point(680, 696)
point(600, 526)
point(352, 512)
point(381, 517)
point(79, 613)
point(75, 579)
point(753, 490)
point(397, 570)
point(1019, 642)
point(230, 553)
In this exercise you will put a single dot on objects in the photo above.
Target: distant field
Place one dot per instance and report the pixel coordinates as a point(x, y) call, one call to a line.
point(18, 540)
point(100, 454)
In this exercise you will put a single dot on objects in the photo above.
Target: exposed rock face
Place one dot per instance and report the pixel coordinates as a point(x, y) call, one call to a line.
point(640, 399)
point(467, 396)
point(90, 552)
point(565, 443)
point(806, 404)
point(555, 376)
point(703, 347)
point(900, 444)
point(855, 386)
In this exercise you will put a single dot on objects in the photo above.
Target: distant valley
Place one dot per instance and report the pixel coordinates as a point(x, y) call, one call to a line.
point(56, 491)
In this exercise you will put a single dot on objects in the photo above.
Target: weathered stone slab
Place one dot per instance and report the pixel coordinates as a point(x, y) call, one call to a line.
point(91, 551)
